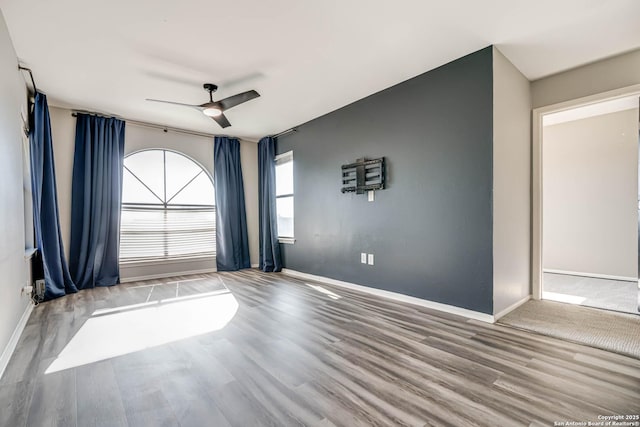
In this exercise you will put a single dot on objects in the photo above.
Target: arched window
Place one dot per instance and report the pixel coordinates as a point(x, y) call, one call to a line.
point(168, 208)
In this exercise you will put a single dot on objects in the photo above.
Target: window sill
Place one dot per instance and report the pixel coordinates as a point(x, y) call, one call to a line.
point(286, 240)
point(29, 253)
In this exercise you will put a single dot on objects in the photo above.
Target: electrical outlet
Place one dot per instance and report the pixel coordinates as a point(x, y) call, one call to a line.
point(371, 195)
point(26, 290)
point(363, 258)
point(370, 259)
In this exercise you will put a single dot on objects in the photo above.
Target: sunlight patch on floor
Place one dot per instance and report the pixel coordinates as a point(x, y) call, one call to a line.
point(325, 291)
point(123, 330)
point(571, 299)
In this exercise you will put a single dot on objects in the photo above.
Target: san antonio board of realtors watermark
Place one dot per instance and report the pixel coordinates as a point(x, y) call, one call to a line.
point(630, 420)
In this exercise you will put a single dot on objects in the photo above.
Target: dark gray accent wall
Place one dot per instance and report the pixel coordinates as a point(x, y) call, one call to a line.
point(431, 229)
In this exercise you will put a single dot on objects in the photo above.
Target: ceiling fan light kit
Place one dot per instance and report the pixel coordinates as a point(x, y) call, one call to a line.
point(216, 109)
point(212, 112)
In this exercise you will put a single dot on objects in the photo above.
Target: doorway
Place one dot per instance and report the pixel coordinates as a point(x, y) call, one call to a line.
point(587, 204)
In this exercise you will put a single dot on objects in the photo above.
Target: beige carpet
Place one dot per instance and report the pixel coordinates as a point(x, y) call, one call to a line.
point(613, 331)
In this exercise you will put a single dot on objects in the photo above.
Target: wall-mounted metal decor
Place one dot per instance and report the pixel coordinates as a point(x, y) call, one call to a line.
point(363, 175)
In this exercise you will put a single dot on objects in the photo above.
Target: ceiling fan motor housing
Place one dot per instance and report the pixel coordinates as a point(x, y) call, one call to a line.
point(210, 87)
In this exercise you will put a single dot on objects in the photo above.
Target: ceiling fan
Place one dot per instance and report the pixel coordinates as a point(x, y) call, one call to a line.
point(216, 109)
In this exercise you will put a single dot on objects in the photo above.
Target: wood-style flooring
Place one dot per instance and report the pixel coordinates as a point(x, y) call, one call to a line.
point(295, 353)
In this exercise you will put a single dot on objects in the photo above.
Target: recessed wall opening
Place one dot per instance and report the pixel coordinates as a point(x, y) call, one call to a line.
point(589, 204)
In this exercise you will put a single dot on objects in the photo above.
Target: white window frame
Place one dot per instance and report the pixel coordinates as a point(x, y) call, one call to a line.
point(280, 159)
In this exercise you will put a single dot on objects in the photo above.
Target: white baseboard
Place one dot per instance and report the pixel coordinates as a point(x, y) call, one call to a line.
point(165, 275)
point(395, 296)
point(255, 265)
point(15, 337)
point(512, 307)
point(594, 275)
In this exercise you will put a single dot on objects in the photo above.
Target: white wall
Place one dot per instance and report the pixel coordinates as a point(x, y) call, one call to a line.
point(511, 184)
point(142, 137)
point(63, 133)
point(598, 77)
point(590, 181)
point(13, 267)
point(249, 158)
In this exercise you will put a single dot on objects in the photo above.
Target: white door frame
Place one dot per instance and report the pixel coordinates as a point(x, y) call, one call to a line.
point(536, 217)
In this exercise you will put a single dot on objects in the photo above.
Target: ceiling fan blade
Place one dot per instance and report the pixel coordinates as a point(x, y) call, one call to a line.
point(173, 103)
point(234, 100)
point(222, 121)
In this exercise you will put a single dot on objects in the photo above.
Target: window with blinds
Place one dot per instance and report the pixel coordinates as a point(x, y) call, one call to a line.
point(168, 208)
point(284, 196)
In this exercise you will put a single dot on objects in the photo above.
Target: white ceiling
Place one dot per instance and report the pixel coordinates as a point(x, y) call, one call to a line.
point(305, 57)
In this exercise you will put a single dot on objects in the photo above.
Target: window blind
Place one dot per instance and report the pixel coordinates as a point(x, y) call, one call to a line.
point(284, 194)
point(156, 233)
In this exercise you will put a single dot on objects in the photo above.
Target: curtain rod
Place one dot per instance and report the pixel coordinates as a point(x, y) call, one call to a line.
point(285, 132)
point(33, 82)
point(169, 128)
point(152, 125)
